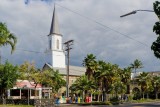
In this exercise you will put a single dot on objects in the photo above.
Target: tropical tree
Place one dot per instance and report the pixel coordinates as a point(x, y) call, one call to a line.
point(118, 87)
point(155, 80)
point(136, 65)
point(6, 37)
point(9, 74)
point(29, 72)
point(53, 79)
point(84, 86)
point(106, 75)
point(48, 77)
point(156, 44)
point(99, 76)
point(125, 76)
point(144, 82)
point(114, 71)
point(91, 65)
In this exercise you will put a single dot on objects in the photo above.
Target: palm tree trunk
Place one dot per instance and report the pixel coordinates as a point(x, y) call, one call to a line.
point(98, 96)
point(107, 97)
point(91, 97)
point(4, 96)
point(156, 95)
point(83, 96)
point(143, 95)
point(147, 96)
point(134, 72)
point(103, 96)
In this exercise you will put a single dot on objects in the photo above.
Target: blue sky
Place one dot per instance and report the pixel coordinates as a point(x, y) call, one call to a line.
point(95, 26)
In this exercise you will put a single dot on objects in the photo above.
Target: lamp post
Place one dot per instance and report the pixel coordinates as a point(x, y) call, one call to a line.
point(134, 12)
point(127, 14)
point(68, 48)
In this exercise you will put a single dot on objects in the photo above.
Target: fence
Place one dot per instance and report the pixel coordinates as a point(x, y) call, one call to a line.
point(35, 102)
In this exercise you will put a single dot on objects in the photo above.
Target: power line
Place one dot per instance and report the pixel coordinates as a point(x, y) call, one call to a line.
point(104, 26)
point(4, 57)
point(36, 52)
point(29, 51)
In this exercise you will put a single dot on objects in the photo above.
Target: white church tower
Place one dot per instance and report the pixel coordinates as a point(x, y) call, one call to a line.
point(55, 46)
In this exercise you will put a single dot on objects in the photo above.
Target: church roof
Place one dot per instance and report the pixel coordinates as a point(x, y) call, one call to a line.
point(54, 24)
point(73, 70)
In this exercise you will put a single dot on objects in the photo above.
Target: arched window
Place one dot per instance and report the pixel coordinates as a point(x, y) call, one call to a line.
point(57, 44)
point(50, 44)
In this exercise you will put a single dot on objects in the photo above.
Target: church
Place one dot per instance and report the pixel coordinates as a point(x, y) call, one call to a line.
point(56, 54)
point(57, 61)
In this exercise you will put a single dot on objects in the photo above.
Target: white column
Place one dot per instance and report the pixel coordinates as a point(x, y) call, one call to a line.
point(40, 93)
point(8, 93)
point(20, 93)
point(49, 93)
point(30, 93)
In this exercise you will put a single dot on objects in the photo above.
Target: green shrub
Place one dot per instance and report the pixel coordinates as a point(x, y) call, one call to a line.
point(96, 103)
point(114, 99)
point(137, 96)
point(108, 103)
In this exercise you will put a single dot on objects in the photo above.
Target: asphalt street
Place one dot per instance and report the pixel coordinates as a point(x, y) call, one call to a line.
point(152, 104)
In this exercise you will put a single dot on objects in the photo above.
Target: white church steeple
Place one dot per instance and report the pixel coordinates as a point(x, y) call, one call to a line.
point(55, 53)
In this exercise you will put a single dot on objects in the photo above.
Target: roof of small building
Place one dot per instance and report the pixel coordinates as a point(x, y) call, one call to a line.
point(154, 72)
point(26, 84)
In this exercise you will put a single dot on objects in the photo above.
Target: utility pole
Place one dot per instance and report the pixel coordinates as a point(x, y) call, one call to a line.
point(68, 48)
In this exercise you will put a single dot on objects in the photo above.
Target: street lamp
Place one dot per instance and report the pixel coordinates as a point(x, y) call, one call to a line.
point(134, 12)
point(127, 14)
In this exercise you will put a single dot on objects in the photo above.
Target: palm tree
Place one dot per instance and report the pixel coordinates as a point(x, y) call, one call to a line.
point(136, 65)
point(83, 85)
point(90, 63)
point(6, 37)
point(105, 75)
point(118, 87)
point(156, 84)
point(100, 77)
point(144, 82)
point(125, 75)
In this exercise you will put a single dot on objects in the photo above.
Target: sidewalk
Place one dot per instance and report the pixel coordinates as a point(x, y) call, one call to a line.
point(67, 105)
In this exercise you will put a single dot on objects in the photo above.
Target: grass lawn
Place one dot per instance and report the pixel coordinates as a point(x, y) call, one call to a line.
point(9, 105)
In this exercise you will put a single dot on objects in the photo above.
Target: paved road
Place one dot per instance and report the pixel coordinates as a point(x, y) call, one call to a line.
point(153, 104)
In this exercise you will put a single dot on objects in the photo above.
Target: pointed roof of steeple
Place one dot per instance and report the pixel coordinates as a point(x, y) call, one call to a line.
point(54, 25)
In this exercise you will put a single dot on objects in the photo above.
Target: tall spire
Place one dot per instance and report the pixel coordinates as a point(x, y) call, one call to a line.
point(54, 25)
